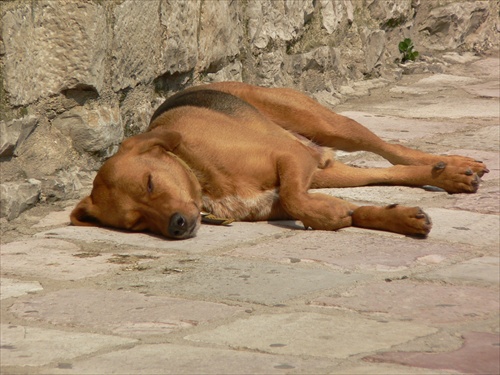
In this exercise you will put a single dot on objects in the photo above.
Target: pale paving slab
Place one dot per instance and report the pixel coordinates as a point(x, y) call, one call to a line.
point(478, 270)
point(209, 237)
point(353, 251)
point(179, 359)
point(55, 218)
point(478, 355)
point(384, 195)
point(15, 288)
point(53, 259)
point(448, 107)
point(253, 280)
point(464, 227)
point(123, 313)
point(397, 128)
point(485, 201)
point(330, 336)
point(425, 303)
point(31, 346)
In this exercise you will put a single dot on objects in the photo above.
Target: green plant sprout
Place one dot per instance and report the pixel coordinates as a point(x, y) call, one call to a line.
point(406, 48)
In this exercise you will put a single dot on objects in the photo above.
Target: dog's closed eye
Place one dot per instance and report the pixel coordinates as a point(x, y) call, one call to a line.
point(150, 184)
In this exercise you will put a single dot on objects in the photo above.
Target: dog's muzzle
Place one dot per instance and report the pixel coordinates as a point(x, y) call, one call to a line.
point(180, 227)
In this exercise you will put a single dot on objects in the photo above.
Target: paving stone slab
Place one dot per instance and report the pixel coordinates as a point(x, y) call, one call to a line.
point(55, 218)
point(254, 280)
point(178, 359)
point(384, 195)
point(490, 158)
point(31, 346)
point(209, 237)
point(479, 355)
point(485, 201)
point(445, 108)
point(118, 312)
point(397, 128)
point(479, 270)
point(353, 251)
point(15, 288)
point(318, 335)
point(54, 259)
point(428, 303)
point(472, 228)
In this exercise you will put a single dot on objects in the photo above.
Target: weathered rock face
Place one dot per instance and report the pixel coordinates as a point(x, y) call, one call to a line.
point(80, 75)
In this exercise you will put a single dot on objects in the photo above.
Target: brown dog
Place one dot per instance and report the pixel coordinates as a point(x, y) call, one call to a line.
point(252, 153)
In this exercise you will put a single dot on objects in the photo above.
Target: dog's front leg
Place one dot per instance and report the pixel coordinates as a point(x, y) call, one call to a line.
point(317, 211)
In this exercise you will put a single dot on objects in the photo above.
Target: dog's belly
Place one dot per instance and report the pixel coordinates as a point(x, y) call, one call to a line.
point(257, 207)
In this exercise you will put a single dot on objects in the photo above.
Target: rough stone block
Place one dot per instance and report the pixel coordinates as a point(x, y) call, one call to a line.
point(91, 130)
point(16, 198)
point(15, 132)
point(51, 46)
point(312, 334)
point(180, 45)
point(136, 46)
point(220, 34)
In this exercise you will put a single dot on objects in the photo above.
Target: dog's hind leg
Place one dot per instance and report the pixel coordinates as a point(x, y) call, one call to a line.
point(299, 113)
point(450, 178)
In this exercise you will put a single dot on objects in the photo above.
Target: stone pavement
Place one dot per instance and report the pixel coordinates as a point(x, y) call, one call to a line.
point(272, 298)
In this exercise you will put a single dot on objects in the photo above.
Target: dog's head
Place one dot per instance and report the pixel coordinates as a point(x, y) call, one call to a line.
point(144, 187)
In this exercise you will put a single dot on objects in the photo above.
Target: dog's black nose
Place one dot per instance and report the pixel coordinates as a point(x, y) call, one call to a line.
point(178, 225)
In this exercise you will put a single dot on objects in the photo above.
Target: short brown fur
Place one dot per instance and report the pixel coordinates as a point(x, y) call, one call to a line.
point(253, 155)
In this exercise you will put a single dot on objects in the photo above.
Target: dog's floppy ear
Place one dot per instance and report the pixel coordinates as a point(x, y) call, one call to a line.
point(85, 214)
point(166, 139)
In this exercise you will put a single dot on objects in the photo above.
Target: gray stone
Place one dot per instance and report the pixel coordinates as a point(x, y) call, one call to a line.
point(124, 313)
point(52, 46)
point(181, 20)
point(15, 132)
point(91, 130)
point(374, 47)
point(31, 346)
point(310, 334)
point(183, 359)
point(220, 34)
point(136, 43)
point(276, 20)
point(334, 12)
point(391, 13)
point(17, 197)
point(15, 288)
point(447, 27)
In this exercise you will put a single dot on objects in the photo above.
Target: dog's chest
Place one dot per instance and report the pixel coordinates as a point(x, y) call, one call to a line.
point(256, 207)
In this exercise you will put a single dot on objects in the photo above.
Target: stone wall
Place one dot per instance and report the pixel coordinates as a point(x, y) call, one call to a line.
point(78, 76)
